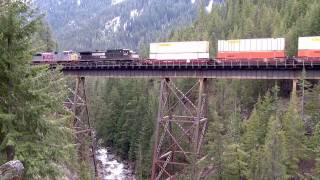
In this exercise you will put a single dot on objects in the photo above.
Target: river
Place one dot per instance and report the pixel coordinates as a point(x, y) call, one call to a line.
point(109, 168)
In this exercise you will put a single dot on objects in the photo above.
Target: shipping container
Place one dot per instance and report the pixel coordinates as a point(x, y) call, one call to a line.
point(251, 48)
point(175, 56)
point(309, 46)
point(179, 50)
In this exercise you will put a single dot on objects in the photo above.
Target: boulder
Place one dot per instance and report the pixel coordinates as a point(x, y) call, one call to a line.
point(12, 170)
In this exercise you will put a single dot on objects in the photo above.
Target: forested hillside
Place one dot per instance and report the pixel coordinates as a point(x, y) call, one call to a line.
point(103, 24)
point(258, 130)
point(31, 100)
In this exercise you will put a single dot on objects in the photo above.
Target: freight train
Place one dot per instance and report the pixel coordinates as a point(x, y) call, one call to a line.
point(266, 50)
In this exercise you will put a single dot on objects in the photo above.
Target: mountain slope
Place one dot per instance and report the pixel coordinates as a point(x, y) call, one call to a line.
point(102, 24)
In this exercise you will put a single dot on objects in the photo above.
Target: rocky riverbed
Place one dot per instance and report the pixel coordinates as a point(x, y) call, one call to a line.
point(110, 168)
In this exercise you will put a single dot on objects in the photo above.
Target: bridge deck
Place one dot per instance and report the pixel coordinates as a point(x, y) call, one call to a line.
point(259, 70)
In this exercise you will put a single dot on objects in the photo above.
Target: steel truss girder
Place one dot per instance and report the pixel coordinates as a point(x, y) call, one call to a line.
point(180, 128)
point(77, 103)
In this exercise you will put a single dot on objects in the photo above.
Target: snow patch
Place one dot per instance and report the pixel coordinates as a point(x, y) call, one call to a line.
point(114, 2)
point(72, 23)
point(193, 1)
point(113, 24)
point(125, 26)
point(79, 2)
point(134, 13)
point(209, 7)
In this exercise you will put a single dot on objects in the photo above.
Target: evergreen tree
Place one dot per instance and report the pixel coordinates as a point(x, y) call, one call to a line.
point(316, 141)
point(295, 139)
point(312, 108)
point(215, 147)
point(257, 125)
point(235, 162)
point(274, 152)
point(31, 105)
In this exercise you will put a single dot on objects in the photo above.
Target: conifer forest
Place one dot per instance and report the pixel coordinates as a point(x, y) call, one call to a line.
point(257, 129)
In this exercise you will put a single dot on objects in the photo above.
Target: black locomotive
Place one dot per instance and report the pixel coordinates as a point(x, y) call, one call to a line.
point(110, 55)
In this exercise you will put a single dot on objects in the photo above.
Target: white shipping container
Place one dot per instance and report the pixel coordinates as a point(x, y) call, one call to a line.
point(309, 43)
point(251, 45)
point(179, 47)
point(177, 56)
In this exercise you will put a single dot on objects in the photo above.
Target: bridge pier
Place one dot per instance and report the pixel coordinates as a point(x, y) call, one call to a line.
point(294, 86)
point(77, 103)
point(180, 128)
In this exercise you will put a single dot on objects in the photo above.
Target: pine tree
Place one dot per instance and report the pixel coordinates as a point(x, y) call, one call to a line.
point(274, 152)
point(295, 139)
point(256, 127)
point(316, 142)
point(235, 162)
point(215, 147)
point(31, 105)
point(234, 156)
point(312, 108)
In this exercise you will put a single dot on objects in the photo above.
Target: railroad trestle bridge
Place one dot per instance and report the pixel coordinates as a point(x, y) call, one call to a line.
point(181, 122)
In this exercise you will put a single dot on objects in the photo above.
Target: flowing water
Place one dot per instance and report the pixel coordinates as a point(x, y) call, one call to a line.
point(109, 168)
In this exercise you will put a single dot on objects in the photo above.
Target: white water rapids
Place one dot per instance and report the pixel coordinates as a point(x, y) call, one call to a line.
point(111, 169)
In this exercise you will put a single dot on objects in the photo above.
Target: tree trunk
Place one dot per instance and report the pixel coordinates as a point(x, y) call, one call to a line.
point(10, 153)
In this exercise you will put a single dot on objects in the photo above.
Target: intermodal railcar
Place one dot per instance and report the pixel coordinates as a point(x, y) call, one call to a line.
point(267, 50)
point(178, 53)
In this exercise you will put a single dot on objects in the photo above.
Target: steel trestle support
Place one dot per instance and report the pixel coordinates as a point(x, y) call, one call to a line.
point(77, 103)
point(180, 128)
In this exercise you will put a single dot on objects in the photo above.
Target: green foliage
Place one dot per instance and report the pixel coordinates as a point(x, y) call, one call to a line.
point(274, 152)
point(316, 140)
point(235, 161)
point(31, 100)
point(256, 128)
point(215, 147)
point(295, 139)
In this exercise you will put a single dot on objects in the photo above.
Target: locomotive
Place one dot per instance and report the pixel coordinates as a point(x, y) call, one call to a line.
point(112, 56)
